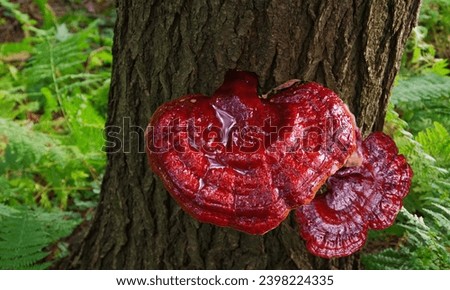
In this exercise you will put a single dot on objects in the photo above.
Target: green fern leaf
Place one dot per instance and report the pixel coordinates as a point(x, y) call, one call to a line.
point(436, 142)
point(25, 147)
point(24, 235)
point(421, 88)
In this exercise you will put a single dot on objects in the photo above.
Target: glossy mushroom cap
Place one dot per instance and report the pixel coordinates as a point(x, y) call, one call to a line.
point(359, 198)
point(236, 160)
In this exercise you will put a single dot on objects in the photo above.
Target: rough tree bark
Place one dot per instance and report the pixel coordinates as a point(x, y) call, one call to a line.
point(164, 49)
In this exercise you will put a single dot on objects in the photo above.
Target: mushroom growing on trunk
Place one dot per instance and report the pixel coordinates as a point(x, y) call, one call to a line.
point(237, 160)
point(358, 198)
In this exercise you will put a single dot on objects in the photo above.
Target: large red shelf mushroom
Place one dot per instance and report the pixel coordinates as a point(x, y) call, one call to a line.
point(237, 160)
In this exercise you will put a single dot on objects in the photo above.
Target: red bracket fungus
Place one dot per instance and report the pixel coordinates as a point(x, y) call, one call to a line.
point(359, 198)
point(243, 161)
point(237, 160)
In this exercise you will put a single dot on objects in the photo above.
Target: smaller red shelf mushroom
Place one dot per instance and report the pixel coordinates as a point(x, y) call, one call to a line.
point(359, 198)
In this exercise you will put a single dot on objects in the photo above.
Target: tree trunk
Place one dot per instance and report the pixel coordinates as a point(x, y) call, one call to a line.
point(165, 49)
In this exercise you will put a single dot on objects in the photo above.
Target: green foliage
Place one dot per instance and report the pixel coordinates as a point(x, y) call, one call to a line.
point(22, 18)
point(422, 100)
point(25, 147)
point(38, 166)
point(61, 63)
point(428, 48)
point(420, 56)
point(47, 14)
point(426, 242)
point(53, 94)
point(424, 88)
point(436, 141)
point(51, 131)
point(435, 16)
point(25, 234)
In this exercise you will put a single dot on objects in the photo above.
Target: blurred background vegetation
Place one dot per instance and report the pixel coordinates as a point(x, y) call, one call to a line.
point(55, 66)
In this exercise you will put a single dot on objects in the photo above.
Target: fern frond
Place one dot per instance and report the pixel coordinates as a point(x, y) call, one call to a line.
point(56, 58)
point(436, 142)
point(423, 100)
point(439, 219)
point(389, 259)
point(426, 247)
point(421, 88)
point(26, 147)
point(28, 154)
point(25, 234)
point(444, 210)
